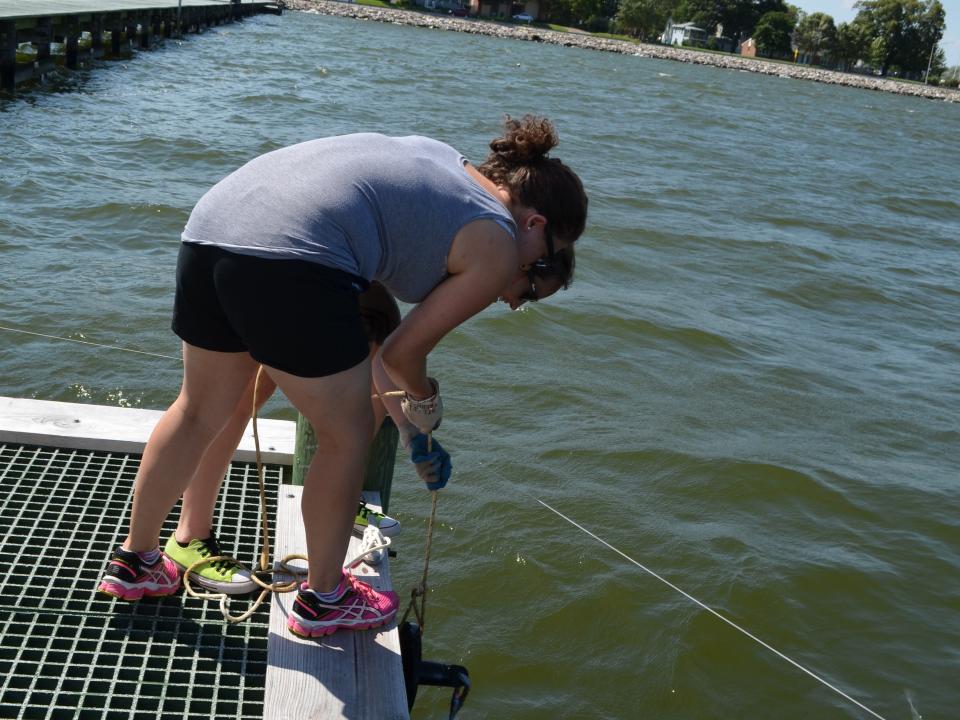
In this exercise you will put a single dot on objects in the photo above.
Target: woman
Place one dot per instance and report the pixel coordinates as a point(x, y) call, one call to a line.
point(272, 262)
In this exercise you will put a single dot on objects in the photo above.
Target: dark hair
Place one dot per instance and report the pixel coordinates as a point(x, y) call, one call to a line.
point(379, 313)
point(519, 162)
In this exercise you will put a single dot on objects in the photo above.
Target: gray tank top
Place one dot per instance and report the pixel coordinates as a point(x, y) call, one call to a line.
point(381, 208)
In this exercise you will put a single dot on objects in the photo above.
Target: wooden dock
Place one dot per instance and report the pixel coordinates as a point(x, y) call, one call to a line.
point(356, 675)
point(101, 28)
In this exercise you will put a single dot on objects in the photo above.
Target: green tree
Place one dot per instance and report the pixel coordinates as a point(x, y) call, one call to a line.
point(901, 33)
point(702, 13)
point(585, 9)
point(643, 18)
point(850, 44)
point(560, 12)
point(816, 33)
point(738, 17)
point(773, 33)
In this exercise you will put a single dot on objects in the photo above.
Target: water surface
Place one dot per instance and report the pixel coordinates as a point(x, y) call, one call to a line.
point(751, 388)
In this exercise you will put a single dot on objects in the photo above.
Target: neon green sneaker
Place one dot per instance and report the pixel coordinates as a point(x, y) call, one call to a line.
point(366, 515)
point(222, 576)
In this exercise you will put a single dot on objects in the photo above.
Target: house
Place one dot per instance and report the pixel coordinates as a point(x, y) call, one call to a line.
point(504, 8)
point(683, 34)
point(748, 48)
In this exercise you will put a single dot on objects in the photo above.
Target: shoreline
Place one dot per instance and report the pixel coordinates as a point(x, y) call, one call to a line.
point(623, 47)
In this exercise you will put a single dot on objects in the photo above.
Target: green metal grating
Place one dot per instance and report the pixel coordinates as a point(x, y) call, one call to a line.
point(68, 652)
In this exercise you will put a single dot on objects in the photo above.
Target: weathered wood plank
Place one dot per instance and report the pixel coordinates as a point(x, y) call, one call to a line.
point(355, 675)
point(116, 429)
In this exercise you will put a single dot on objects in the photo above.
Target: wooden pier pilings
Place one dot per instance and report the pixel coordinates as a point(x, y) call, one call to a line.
point(83, 29)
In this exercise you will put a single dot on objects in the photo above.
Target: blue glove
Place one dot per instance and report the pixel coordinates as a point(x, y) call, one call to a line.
point(433, 467)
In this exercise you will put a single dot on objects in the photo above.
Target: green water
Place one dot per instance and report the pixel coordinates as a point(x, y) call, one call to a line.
point(751, 388)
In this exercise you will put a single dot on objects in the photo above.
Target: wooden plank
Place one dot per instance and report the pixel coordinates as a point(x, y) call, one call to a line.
point(356, 675)
point(116, 429)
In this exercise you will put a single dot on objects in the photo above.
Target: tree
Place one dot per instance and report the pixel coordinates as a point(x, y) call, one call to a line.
point(772, 33)
point(901, 33)
point(849, 45)
point(738, 17)
point(815, 33)
point(584, 9)
point(643, 18)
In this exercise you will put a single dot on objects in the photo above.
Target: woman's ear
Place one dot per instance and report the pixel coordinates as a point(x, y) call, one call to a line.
point(533, 220)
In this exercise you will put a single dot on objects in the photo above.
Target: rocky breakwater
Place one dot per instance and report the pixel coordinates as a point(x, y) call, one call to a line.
point(624, 47)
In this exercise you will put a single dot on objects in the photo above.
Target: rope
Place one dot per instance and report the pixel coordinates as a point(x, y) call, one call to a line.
point(712, 611)
point(418, 595)
point(368, 547)
point(264, 564)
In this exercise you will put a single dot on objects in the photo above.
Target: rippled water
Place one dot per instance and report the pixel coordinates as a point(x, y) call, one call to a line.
point(752, 387)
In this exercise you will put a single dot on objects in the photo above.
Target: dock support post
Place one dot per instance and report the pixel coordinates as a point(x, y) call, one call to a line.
point(71, 40)
point(378, 474)
point(116, 32)
point(145, 27)
point(8, 55)
point(42, 37)
point(96, 33)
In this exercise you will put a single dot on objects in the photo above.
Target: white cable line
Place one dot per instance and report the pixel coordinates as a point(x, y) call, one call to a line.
point(85, 342)
point(711, 610)
point(557, 512)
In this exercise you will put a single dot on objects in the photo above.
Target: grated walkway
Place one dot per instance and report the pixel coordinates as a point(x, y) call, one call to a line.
point(68, 652)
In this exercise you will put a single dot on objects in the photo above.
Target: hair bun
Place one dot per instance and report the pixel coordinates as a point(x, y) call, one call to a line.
point(525, 141)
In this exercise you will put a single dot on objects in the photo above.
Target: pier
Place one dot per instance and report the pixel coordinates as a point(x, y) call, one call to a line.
point(85, 29)
point(66, 472)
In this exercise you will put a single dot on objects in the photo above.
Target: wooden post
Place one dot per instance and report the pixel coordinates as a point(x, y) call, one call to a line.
point(42, 37)
point(116, 33)
point(96, 34)
point(378, 474)
point(8, 55)
point(145, 22)
point(71, 36)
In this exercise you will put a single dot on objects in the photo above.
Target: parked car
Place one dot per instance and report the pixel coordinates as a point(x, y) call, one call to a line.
point(523, 17)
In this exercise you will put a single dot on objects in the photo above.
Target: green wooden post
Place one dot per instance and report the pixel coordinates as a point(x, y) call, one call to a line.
point(378, 474)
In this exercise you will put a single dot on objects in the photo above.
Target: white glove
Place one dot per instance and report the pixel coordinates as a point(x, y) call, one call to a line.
point(424, 414)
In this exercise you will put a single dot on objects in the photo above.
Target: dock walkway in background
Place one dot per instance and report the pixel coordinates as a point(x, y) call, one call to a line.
point(113, 28)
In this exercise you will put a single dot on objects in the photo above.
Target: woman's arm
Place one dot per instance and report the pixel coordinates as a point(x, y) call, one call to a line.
point(482, 259)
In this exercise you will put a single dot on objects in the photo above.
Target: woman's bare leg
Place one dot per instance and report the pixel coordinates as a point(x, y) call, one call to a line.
point(339, 410)
point(200, 497)
point(213, 383)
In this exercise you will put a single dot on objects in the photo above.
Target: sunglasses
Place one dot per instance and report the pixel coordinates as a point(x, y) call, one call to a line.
point(541, 268)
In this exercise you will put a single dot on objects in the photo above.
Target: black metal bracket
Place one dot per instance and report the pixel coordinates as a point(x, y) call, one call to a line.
point(417, 672)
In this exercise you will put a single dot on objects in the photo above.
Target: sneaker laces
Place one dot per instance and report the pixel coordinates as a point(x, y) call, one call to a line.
point(211, 548)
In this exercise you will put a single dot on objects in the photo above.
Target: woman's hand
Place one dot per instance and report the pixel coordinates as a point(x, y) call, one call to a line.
point(433, 465)
point(425, 414)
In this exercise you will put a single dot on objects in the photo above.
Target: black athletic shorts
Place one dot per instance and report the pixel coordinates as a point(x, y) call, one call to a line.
point(293, 315)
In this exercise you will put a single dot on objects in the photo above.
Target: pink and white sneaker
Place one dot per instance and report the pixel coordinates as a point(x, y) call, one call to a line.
point(129, 578)
point(360, 607)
